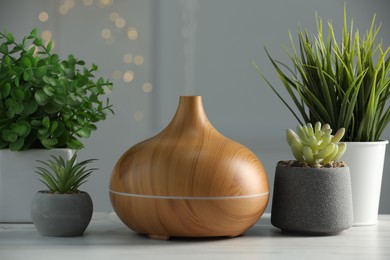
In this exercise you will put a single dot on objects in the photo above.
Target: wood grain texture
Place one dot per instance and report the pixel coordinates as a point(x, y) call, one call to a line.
point(189, 218)
point(189, 158)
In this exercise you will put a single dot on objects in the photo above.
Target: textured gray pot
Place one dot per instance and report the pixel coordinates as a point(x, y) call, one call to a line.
point(312, 200)
point(61, 215)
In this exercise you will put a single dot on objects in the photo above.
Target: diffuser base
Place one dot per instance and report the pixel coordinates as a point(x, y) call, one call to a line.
point(158, 237)
point(162, 218)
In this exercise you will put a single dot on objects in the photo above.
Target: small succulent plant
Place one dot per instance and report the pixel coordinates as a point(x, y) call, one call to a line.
point(316, 145)
point(61, 176)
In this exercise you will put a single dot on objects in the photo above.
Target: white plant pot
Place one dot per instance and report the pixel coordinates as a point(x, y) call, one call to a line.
point(19, 182)
point(365, 160)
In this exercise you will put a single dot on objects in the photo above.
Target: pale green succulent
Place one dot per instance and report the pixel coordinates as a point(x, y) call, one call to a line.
point(316, 145)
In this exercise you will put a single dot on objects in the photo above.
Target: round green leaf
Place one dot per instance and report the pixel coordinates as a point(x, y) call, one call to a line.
point(18, 94)
point(43, 133)
point(52, 81)
point(10, 102)
point(71, 60)
point(84, 132)
point(73, 143)
point(7, 60)
point(62, 140)
point(26, 76)
point(10, 38)
point(17, 145)
point(46, 79)
point(18, 108)
point(28, 126)
point(9, 136)
point(46, 122)
point(26, 61)
point(60, 100)
point(20, 130)
point(92, 127)
point(11, 112)
point(5, 90)
point(49, 80)
point(49, 143)
point(49, 46)
point(30, 107)
point(4, 48)
point(41, 98)
point(60, 129)
point(40, 72)
point(34, 32)
point(54, 59)
point(36, 123)
point(54, 126)
point(38, 42)
point(48, 90)
point(17, 81)
point(74, 103)
point(52, 107)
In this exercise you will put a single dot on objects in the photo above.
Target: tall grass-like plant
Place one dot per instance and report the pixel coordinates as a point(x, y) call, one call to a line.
point(345, 84)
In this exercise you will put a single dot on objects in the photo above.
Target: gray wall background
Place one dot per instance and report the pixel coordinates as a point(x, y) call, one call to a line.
point(189, 47)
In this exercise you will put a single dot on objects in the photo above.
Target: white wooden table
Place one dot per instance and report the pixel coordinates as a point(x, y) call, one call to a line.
point(107, 238)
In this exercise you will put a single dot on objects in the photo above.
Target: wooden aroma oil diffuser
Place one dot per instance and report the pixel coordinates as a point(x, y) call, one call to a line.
point(189, 181)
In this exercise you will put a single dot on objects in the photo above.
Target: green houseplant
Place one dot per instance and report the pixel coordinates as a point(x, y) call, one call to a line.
point(62, 210)
point(346, 85)
point(47, 105)
point(313, 193)
point(46, 102)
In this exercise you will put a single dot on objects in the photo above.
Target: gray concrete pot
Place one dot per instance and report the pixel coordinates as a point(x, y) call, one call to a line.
point(310, 200)
point(61, 215)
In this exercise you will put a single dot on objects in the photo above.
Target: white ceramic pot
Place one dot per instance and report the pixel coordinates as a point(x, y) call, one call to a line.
point(365, 160)
point(19, 182)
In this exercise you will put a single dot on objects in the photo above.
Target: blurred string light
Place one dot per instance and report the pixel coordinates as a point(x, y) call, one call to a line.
point(120, 22)
point(127, 58)
point(114, 16)
point(128, 76)
point(138, 60)
point(87, 2)
point(138, 115)
point(46, 35)
point(104, 3)
point(43, 16)
point(107, 34)
point(116, 75)
point(66, 6)
point(132, 33)
point(147, 87)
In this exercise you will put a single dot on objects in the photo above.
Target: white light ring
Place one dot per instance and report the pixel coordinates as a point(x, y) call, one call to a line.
point(189, 197)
